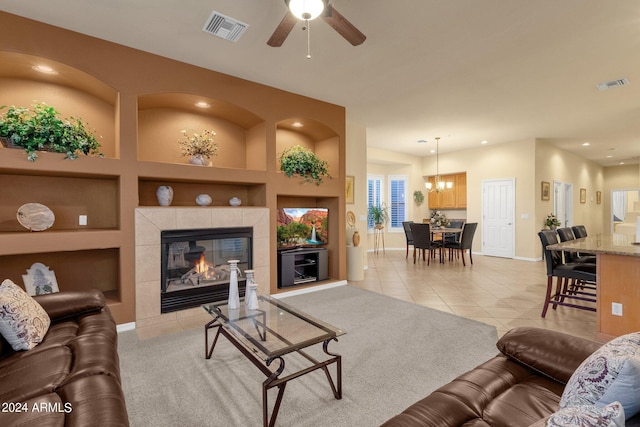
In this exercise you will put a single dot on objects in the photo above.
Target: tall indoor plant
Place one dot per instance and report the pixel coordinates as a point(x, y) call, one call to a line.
point(40, 128)
point(378, 214)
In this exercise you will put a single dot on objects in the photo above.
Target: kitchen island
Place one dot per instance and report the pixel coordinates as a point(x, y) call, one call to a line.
point(618, 280)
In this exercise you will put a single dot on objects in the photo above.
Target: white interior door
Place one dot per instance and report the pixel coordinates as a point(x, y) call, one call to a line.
point(563, 203)
point(498, 211)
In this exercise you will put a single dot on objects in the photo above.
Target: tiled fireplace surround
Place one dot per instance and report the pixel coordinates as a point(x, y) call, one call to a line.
point(149, 222)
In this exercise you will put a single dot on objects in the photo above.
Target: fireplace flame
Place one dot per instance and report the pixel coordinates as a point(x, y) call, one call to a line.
point(201, 265)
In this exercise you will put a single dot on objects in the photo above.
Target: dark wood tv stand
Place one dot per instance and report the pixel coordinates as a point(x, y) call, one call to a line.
point(302, 265)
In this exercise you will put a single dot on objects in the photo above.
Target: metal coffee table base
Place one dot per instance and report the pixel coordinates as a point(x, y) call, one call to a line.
point(273, 379)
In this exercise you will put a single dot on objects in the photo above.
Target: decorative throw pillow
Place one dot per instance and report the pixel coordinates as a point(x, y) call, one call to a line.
point(611, 415)
point(610, 374)
point(23, 322)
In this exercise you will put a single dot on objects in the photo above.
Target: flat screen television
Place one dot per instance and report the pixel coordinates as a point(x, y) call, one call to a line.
point(300, 227)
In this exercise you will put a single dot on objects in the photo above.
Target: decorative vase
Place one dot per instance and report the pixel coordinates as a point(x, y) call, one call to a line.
point(234, 201)
point(204, 199)
point(164, 193)
point(251, 291)
point(234, 296)
point(199, 160)
point(356, 238)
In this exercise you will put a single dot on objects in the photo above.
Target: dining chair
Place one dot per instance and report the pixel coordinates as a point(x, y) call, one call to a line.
point(408, 236)
point(581, 289)
point(465, 243)
point(422, 241)
point(453, 237)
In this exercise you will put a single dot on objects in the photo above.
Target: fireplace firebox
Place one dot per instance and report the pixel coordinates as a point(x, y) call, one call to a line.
point(195, 267)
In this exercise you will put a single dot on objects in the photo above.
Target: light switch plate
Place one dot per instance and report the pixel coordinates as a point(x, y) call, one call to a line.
point(82, 220)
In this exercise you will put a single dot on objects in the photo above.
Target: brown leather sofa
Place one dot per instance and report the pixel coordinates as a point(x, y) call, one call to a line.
point(521, 386)
point(72, 378)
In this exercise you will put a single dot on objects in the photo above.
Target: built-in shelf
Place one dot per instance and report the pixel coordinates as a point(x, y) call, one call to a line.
point(74, 270)
point(67, 196)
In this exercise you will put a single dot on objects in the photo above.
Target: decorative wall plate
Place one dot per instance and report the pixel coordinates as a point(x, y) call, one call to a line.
point(351, 219)
point(35, 216)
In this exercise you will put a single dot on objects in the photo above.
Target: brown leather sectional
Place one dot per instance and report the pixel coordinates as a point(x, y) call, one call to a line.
point(521, 386)
point(72, 378)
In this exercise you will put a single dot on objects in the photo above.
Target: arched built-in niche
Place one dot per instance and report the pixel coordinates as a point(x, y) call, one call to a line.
point(312, 134)
point(240, 134)
point(70, 91)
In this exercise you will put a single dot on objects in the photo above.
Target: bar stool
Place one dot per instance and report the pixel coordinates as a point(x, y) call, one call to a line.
point(566, 234)
point(579, 231)
point(581, 289)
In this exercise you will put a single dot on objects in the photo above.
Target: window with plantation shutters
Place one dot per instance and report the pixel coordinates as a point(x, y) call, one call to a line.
point(397, 202)
point(374, 194)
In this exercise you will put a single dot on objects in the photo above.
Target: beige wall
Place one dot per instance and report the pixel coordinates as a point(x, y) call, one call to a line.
point(552, 164)
point(384, 162)
point(528, 162)
point(356, 157)
point(505, 161)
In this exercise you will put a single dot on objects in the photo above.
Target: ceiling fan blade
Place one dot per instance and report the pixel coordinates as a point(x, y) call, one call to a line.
point(345, 28)
point(282, 30)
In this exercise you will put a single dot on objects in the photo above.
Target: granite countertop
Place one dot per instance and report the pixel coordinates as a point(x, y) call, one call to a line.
point(613, 244)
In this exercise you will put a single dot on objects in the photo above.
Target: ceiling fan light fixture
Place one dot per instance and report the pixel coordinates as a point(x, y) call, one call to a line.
point(306, 9)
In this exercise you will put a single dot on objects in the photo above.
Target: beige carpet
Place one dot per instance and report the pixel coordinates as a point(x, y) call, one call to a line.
point(394, 353)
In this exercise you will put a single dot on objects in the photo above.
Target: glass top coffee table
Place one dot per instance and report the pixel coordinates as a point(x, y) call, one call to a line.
point(268, 334)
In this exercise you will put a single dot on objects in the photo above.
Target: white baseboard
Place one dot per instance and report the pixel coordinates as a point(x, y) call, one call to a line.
point(126, 327)
point(309, 290)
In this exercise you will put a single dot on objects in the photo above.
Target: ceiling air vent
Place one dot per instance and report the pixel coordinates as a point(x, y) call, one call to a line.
point(224, 27)
point(612, 83)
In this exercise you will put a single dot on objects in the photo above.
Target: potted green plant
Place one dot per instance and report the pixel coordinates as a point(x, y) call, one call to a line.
point(302, 161)
point(40, 128)
point(552, 221)
point(199, 147)
point(379, 215)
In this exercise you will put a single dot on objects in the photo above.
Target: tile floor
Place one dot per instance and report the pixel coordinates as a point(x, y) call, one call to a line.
point(497, 291)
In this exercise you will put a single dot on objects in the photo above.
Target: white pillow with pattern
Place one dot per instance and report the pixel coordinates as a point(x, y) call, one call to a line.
point(610, 374)
point(611, 415)
point(23, 322)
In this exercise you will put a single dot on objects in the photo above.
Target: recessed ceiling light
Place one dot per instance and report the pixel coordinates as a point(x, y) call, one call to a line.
point(609, 156)
point(202, 104)
point(621, 163)
point(44, 69)
point(586, 144)
point(433, 151)
point(297, 124)
point(484, 142)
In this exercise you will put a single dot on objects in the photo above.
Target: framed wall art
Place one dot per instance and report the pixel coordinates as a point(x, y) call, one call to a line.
point(583, 195)
point(545, 190)
point(348, 189)
point(598, 197)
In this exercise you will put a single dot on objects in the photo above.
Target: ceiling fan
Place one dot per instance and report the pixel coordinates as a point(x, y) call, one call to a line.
point(308, 10)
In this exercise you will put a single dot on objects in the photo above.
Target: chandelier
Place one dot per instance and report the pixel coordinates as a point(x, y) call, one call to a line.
point(440, 185)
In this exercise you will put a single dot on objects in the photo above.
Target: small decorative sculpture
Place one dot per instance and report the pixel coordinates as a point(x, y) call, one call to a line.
point(204, 199)
point(251, 292)
point(234, 201)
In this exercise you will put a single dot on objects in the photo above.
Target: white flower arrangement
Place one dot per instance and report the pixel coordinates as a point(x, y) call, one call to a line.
point(551, 221)
point(439, 219)
point(199, 144)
